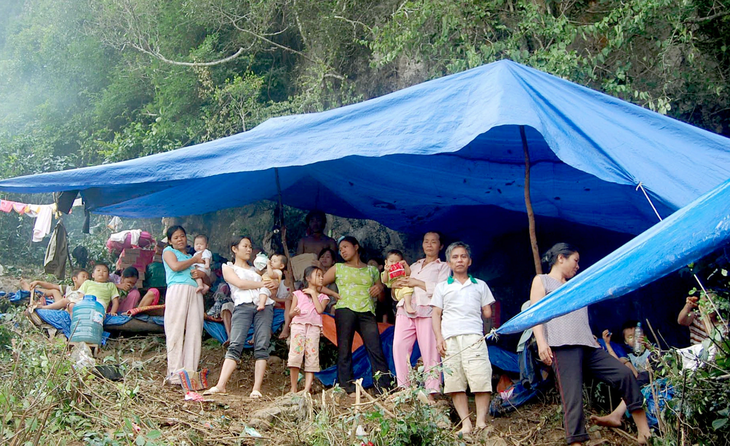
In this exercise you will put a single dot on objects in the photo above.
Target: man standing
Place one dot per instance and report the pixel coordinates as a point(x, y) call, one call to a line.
point(458, 307)
point(315, 240)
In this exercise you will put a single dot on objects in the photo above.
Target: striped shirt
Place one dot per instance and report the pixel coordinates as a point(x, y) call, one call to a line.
point(697, 332)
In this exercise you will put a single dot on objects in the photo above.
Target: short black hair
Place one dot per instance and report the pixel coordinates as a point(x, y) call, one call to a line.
point(130, 271)
point(79, 271)
point(316, 213)
point(632, 323)
point(102, 264)
point(173, 229)
point(396, 252)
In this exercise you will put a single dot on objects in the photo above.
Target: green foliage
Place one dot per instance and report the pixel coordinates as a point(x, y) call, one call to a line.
point(698, 414)
point(85, 82)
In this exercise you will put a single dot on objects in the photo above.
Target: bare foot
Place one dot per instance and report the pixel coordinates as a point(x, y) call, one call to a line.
point(466, 427)
point(284, 333)
point(644, 437)
point(24, 285)
point(608, 420)
point(206, 288)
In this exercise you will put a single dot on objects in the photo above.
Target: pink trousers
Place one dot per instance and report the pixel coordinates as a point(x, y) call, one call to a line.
point(183, 328)
point(407, 331)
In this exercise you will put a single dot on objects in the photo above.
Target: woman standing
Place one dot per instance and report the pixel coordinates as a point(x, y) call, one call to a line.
point(567, 344)
point(425, 275)
point(246, 288)
point(183, 306)
point(358, 284)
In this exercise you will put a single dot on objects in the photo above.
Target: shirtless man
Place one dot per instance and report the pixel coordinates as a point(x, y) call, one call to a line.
point(316, 241)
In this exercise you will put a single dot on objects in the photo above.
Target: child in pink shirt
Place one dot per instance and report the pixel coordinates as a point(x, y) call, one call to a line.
point(306, 325)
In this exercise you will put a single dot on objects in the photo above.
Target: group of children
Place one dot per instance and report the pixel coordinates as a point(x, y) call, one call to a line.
point(117, 298)
point(98, 285)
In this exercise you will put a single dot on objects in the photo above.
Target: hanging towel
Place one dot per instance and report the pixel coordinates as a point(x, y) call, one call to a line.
point(57, 252)
point(42, 223)
point(20, 208)
point(6, 206)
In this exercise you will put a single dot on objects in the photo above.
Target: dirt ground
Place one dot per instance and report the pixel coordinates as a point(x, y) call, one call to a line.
point(222, 419)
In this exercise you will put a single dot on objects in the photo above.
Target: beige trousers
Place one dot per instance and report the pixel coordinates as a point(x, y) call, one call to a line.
point(183, 328)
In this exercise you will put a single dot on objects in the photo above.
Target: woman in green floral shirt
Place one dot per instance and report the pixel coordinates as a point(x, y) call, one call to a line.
point(359, 285)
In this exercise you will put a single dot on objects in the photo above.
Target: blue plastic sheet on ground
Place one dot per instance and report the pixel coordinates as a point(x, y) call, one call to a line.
point(218, 330)
point(664, 393)
point(61, 320)
point(515, 396)
point(503, 359)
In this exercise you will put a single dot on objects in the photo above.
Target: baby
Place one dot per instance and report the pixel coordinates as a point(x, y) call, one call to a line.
point(395, 268)
point(201, 246)
point(273, 273)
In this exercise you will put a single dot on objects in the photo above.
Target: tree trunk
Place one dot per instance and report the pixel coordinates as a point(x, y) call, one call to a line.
point(528, 205)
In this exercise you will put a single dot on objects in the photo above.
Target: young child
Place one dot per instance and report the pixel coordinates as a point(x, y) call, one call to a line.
point(458, 307)
point(306, 326)
point(106, 292)
point(61, 301)
point(273, 273)
point(395, 268)
point(200, 244)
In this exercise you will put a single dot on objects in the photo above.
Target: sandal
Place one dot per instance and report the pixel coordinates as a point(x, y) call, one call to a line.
point(255, 394)
point(214, 391)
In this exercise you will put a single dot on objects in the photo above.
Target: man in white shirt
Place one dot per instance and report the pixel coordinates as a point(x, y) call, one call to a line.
point(458, 307)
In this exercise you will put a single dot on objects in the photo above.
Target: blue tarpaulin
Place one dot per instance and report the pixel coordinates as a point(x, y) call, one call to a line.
point(218, 330)
point(416, 158)
point(446, 155)
point(686, 236)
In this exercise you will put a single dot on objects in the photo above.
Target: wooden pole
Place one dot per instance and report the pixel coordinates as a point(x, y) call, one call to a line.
point(289, 280)
point(528, 205)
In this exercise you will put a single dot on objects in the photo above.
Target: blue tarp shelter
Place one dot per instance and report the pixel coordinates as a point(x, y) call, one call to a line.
point(686, 236)
point(442, 154)
point(426, 156)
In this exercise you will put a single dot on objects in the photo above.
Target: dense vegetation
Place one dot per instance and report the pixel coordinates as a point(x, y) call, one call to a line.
point(91, 81)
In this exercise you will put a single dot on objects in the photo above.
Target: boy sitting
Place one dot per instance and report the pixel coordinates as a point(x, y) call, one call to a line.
point(61, 300)
point(458, 307)
point(106, 292)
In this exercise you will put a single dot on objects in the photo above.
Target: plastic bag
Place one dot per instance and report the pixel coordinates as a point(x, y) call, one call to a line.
point(82, 357)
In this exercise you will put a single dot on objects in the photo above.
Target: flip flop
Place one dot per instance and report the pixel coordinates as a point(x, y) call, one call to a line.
point(214, 391)
point(255, 394)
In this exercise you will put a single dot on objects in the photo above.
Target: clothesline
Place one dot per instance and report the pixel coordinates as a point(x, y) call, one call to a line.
point(43, 214)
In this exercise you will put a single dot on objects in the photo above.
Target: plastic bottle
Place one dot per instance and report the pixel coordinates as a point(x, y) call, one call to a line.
point(638, 340)
point(87, 321)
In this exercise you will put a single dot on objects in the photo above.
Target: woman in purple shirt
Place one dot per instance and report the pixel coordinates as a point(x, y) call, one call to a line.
point(425, 275)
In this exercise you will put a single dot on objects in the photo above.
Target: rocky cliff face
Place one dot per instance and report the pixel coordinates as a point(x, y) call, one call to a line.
point(257, 219)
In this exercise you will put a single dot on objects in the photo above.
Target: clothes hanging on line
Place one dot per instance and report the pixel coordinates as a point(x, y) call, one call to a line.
point(43, 222)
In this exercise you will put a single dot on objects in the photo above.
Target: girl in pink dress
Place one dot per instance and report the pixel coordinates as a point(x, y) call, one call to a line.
point(306, 325)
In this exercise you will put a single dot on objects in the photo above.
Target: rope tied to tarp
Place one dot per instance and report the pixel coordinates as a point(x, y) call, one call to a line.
point(705, 318)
